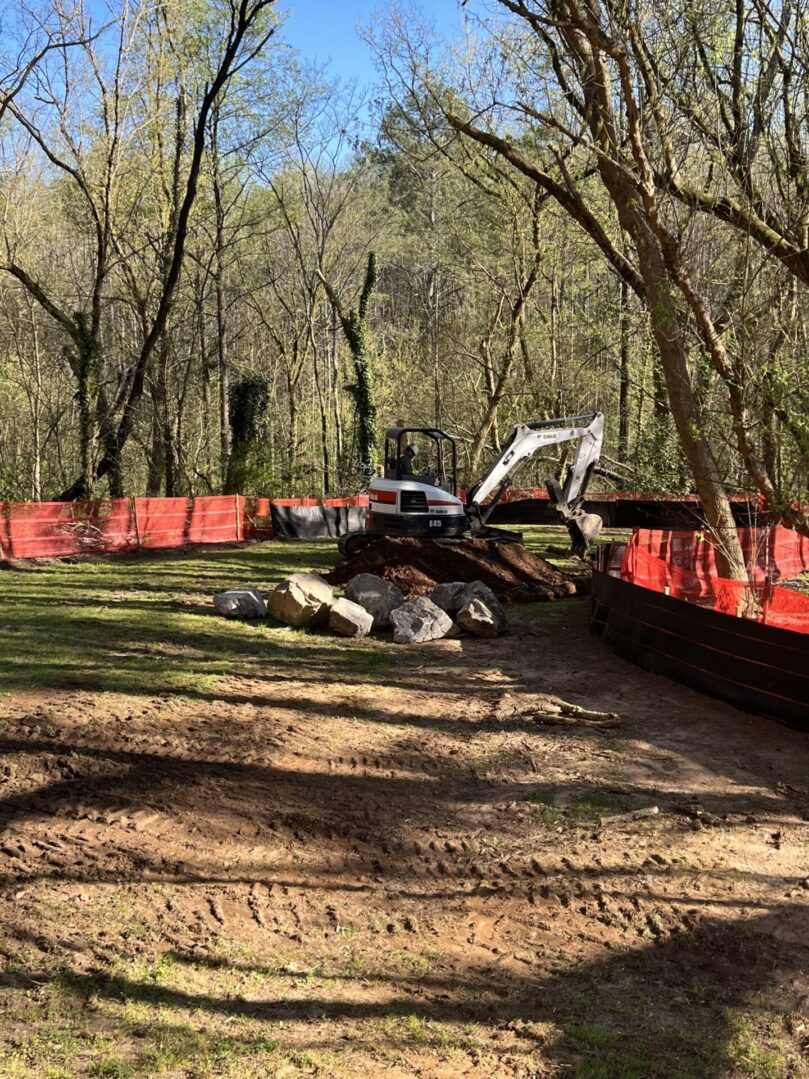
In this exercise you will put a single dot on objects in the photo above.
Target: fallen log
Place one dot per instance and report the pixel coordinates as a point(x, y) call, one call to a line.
point(551, 711)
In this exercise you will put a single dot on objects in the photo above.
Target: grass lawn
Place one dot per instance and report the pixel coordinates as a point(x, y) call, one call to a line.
point(113, 624)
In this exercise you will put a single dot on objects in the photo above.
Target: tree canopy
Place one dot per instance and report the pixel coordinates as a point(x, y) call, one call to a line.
point(600, 206)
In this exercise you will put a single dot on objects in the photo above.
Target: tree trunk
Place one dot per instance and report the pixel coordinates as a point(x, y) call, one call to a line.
point(292, 374)
point(669, 329)
point(36, 417)
point(221, 313)
point(156, 470)
point(335, 388)
point(222, 365)
point(84, 357)
point(669, 322)
point(325, 477)
point(623, 388)
point(355, 329)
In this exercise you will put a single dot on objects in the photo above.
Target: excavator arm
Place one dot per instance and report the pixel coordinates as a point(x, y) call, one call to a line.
point(567, 499)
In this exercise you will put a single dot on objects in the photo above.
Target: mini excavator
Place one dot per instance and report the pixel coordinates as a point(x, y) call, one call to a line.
point(427, 504)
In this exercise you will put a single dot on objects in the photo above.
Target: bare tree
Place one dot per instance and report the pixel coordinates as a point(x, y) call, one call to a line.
point(50, 120)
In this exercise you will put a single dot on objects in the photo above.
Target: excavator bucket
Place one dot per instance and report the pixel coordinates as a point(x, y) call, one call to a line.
point(584, 531)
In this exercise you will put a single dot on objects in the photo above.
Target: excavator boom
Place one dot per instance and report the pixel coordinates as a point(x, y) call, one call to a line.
point(567, 499)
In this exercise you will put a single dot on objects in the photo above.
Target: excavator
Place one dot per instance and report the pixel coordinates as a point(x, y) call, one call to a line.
point(427, 504)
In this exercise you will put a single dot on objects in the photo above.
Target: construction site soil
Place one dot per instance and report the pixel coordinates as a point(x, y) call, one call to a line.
point(244, 851)
point(515, 574)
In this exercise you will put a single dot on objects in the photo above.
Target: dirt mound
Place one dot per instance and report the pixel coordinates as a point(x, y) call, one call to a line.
point(514, 573)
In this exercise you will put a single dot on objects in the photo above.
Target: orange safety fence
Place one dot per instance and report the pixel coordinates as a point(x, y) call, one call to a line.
point(683, 565)
point(48, 529)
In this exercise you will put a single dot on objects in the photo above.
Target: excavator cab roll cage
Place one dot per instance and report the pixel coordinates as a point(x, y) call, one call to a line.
point(397, 439)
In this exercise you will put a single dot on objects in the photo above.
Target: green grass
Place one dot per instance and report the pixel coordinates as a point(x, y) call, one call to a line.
point(551, 540)
point(579, 812)
point(134, 625)
point(127, 625)
point(624, 1031)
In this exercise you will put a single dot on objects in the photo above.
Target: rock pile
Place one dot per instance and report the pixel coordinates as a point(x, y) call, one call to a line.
point(372, 603)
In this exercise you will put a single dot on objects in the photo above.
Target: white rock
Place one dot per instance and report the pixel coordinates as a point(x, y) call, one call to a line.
point(454, 596)
point(419, 620)
point(479, 590)
point(304, 599)
point(378, 596)
point(478, 618)
point(350, 619)
point(240, 603)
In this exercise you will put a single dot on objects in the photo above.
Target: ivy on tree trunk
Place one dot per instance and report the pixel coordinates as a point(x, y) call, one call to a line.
point(355, 329)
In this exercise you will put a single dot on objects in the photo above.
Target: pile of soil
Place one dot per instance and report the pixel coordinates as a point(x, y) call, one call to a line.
point(514, 574)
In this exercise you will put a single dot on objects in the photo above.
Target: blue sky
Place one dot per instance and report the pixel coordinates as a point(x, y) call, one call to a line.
point(325, 31)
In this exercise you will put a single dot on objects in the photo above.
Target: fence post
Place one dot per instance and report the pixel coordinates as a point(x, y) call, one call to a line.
point(137, 523)
point(239, 529)
point(766, 596)
point(629, 561)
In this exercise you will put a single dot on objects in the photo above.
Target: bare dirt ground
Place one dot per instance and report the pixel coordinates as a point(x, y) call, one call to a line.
point(354, 859)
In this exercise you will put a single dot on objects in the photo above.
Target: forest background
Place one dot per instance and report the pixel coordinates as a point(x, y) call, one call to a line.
point(223, 270)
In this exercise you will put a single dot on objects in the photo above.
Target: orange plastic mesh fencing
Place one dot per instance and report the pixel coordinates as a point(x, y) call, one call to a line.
point(176, 522)
point(48, 529)
point(42, 529)
point(773, 552)
point(685, 568)
point(787, 609)
point(38, 529)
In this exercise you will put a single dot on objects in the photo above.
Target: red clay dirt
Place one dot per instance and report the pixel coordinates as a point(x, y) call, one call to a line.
point(515, 574)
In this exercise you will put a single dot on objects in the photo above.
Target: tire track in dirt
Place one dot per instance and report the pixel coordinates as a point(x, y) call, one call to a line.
point(419, 851)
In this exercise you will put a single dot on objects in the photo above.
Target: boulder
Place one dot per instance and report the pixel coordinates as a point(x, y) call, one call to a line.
point(478, 618)
point(378, 596)
point(304, 599)
point(454, 596)
point(419, 620)
point(350, 619)
point(449, 596)
point(240, 603)
point(479, 590)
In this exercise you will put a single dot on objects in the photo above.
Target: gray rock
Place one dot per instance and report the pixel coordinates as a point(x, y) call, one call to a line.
point(481, 591)
point(419, 620)
point(350, 619)
point(454, 596)
point(304, 599)
point(240, 603)
point(478, 618)
point(378, 596)
point(449, 596)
